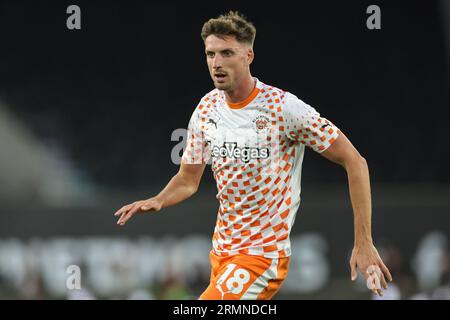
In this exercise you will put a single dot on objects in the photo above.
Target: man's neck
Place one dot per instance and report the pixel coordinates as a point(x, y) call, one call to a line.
point(242, 91)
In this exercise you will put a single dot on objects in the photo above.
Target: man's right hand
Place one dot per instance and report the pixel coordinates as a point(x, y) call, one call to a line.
point(183, 185)
point(128, 211)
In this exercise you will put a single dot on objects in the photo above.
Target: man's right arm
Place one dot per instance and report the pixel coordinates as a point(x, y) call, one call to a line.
point(183, 185)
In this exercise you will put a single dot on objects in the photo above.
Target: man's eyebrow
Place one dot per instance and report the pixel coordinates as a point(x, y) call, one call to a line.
point(226, 49)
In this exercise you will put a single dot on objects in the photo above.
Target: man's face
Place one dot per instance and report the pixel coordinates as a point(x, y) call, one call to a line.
point(228, 61)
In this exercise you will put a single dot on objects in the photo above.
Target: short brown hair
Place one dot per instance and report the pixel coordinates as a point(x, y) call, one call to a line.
point(231, 24)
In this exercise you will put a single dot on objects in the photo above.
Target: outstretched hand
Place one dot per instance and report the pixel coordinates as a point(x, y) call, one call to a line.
point(366, 258)
point(128, 211)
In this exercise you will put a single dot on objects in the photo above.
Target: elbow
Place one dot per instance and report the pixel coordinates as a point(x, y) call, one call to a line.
point(188, 184)
point(359, 164)
point(194, 188)
point(357, 161)
point(362, 161)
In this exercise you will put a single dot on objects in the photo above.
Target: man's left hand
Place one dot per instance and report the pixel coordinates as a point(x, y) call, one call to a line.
point(366, 258)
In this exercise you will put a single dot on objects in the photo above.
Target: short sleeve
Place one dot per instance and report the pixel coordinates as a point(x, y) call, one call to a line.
point(305, 125)
point(197, 148)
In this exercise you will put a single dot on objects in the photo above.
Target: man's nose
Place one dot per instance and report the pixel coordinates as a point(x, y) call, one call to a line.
point(217, 62)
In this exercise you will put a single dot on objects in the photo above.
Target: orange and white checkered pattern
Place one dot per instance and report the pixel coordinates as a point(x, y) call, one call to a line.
point(259, 197)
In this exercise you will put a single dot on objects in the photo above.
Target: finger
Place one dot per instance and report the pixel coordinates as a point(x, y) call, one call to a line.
point(383, 281)
point(369, 272)
point(121, 210)
point(126, 213)
point(386, 271)
point(118, 212)
point(135, 209)
point(377, 278)
point(375, 286)
point(122, 217)
point(374, 269)
point(125, 218)
point(130, 213)
point(354, 274)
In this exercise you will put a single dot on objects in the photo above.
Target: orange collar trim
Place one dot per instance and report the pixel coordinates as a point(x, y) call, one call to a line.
point(240, 105)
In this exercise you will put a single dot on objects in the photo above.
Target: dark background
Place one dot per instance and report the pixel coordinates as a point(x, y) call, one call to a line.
point(136, 70)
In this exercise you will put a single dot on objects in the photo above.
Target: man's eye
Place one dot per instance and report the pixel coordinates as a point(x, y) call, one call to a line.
point(210, 54)
point(227, 53)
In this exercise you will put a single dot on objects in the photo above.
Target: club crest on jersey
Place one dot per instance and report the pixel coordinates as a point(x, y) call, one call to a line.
point(261, 122)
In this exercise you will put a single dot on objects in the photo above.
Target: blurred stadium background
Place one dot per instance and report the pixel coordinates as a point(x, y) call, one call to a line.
point(86, 124)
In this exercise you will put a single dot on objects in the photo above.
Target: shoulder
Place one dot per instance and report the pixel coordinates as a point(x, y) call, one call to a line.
point(271, 92)
point(211, 97)
point(281, 96)
point(295, 108)
point(292, 101)
point(206, 102)
point(287, 101)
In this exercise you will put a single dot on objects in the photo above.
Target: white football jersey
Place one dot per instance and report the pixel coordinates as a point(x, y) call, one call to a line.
point(256, 150)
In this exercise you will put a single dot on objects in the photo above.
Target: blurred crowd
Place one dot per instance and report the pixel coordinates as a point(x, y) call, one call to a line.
point(179, 269)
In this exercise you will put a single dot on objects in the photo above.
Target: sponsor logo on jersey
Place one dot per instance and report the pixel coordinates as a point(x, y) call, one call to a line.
point(231, 150)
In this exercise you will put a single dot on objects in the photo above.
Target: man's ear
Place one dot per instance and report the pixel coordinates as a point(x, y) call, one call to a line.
point(250, 55)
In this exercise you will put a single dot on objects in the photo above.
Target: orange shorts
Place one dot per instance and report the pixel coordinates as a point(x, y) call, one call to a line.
point(245, 277)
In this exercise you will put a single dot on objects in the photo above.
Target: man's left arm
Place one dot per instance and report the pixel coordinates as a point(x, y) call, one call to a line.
point(364, 255)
